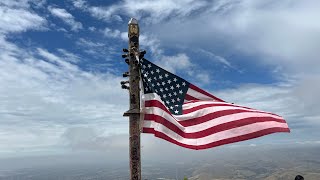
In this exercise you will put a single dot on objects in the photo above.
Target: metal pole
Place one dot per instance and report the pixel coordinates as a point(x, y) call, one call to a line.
point(134, 91)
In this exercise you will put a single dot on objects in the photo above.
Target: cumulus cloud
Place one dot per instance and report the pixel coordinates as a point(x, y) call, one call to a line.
point(282, 33)
point(17, 17)
point(102, 13)
point(107, 32)
point(173, 63)
point(43, 95)
point(290, 100)
point(279, 33)
point(65, 16)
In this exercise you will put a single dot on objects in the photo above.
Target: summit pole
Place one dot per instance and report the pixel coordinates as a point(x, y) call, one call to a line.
point(134, 98)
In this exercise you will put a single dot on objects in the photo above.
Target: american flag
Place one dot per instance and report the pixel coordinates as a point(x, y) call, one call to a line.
point(181, 113)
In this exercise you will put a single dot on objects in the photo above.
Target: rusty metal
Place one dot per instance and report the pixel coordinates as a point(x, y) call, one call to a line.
point(134, 97)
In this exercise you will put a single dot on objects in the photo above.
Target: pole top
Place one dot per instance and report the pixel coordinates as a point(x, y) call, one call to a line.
point(133, 21)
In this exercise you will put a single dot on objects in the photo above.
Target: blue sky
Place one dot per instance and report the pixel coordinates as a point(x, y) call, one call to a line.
point(60, 66)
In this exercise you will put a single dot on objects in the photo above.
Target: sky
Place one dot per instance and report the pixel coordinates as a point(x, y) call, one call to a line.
point(61, 67)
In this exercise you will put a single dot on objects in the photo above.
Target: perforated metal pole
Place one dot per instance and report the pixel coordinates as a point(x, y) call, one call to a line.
point(134, 95)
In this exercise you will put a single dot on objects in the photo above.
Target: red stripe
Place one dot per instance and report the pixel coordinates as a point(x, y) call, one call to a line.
point(196, 108)
point(204, 92)
point(158, 104)
point(189, 98)
point(191, 101)
point(199, 119)
point(218, 143)
point(211, 116)
point(202, 106)
point(211, 130)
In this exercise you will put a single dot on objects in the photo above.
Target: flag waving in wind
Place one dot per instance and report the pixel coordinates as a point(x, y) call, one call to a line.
point(183, 114)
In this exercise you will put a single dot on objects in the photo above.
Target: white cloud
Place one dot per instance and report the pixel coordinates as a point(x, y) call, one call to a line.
point(281, 33)
point(107, 32)
point(173, 63)
point(66, 17)
point(92, 29)
point(102, 13)
point(42, 95)
point(98, 50)
point(154, 11)
point(295, 101)
point(20, 18)
point(88, 43)
point(68, 56)
point(214, 57)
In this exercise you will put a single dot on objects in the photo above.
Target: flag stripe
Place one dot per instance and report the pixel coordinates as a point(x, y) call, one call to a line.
point(210, 130)
point(217, 143)
point(198, 95)
point(189, 98)
point(195, 104)
point(204, 92)
point(208, 123)
point(204, 107)
point(202, 113)
point(231, 133)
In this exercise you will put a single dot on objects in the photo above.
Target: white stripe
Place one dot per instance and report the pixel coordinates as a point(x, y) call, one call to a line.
point(198, 95)
point(164, 114)
point(209, 110)
point(201, 112)
point(151, 96)
point(205, 111)
point(198, 103)
point(207, 124)
point(243, 130)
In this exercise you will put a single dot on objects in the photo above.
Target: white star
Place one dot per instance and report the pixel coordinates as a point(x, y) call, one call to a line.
point(146, 88)
point(178, 99)
point(173, 100)
point(160, 77)
point(149, 65)
point(171, 87)
point(152, 85)
point(167, 102)
point(155, 78)
point(158, 84)
point(149, 79)
point(178, 86)
point(175, 93)
point(161, 90)
point(166, 75)
point(163, 83)
point(180, 92)
point(144, 66)
point(166, 89)
point(169, 81)
point(145, 75)
point(171, 107)
point(164, 96)
point(176, 111)
point(175, 79)
point(170, 94)
point(183, 83)
point(151, 72)
point(157, 70)
point(156, 91)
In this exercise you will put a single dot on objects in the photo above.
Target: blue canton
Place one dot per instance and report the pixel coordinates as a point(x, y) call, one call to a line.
point(171, 88)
